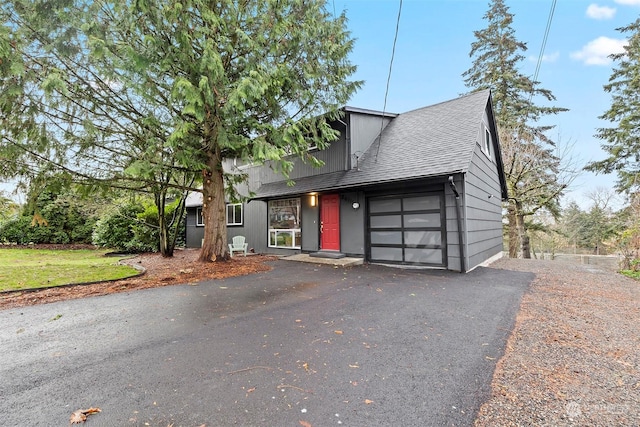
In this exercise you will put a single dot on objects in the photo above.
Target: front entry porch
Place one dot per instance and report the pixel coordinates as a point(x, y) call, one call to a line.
point(338, 262)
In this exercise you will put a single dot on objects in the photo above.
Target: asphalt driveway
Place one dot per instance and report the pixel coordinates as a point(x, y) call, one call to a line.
point(302, 344)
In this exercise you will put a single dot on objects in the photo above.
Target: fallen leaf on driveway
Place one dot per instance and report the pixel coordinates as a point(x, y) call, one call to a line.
point(338, 332)
point(80, 416)
point(368, 402)
point(305, 424)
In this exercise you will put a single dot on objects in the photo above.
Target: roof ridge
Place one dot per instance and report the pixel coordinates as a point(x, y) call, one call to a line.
point(476, 93)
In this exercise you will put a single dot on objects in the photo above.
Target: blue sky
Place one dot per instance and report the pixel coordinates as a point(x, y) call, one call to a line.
point(432, 52)
point(433, 47)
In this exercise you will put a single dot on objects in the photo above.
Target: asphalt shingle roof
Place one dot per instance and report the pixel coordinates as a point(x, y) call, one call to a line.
point(431, 141)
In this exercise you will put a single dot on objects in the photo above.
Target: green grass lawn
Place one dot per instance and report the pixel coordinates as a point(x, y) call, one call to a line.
point(37, 268)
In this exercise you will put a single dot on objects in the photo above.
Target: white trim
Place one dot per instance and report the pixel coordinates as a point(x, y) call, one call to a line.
point(236, 221)
point(199, 221)
point(486, 144)
point(488, 262)
point(288, 234)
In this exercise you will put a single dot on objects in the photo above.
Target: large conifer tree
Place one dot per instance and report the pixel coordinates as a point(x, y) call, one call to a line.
point(151, 93)
point(531, 167)
point(622, 141)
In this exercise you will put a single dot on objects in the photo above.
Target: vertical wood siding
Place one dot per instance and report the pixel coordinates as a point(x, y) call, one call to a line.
point(364, 130)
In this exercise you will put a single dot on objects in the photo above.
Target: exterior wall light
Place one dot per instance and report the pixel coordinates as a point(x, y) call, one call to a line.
point(314, 200)
point(355, 205)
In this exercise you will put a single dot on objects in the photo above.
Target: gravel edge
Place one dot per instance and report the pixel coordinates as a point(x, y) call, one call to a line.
point(572, 358)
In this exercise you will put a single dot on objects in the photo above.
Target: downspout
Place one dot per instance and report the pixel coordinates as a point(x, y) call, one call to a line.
point(463, 262)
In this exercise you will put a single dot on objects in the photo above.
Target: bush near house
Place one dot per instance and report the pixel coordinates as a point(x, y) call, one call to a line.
point(132, 228)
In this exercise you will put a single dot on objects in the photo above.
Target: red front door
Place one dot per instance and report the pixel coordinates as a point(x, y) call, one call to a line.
point(330, 222)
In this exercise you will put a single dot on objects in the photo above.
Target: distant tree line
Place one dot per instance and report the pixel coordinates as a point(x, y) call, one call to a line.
point(597, 230)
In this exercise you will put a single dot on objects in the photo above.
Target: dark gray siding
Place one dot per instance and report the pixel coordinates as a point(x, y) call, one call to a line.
point(254, 226)
point(352, 224)
point(451, 213)
point(333, 158)
point(194, 233)
point(310, 225)
point(483, 208)
point(364, 129)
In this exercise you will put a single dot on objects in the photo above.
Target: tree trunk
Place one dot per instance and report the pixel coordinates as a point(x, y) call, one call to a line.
point(166, 248)
point(214, 246)
point(526, 245)
point(522, 232)
point(176, 222)
point(512, 230)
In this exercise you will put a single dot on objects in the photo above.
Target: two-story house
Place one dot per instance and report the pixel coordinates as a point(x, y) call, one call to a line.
point(422, 188)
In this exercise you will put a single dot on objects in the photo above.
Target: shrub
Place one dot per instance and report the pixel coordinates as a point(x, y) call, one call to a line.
point(17, 231)
point(116, 229)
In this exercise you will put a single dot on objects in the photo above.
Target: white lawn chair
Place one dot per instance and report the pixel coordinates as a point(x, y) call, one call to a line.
point(238, 245)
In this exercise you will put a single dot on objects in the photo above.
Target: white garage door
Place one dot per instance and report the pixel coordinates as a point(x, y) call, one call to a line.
point(407, 229)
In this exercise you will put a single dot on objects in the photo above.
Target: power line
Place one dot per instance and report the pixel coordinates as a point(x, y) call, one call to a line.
point(386, 92)
point(544, 40)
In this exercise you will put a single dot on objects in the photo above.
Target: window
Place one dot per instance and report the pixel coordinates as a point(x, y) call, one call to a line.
point(284, 223)
point(234, 214)
point(486, 143)
point(199, 219)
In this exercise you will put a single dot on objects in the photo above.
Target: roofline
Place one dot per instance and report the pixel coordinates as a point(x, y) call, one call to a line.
point(349, 109)
point(355, 186)
point(498, 151)
point(466, 95)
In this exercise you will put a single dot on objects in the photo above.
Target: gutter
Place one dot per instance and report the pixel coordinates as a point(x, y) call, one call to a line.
point(463, 261)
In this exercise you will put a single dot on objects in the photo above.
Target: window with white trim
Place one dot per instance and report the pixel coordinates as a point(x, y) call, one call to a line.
point(486, 143)
point(199, 219)
point(284, 224)
point(234, 214)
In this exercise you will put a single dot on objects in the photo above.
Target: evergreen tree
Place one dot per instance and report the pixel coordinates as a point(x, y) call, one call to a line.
point(622, 141)
point(153, 95)
point(532, 168)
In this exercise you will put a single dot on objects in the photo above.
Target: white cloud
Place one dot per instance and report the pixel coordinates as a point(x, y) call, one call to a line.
point(629, 2)
point(551, 57)
point(597, 51)
point(600, 12)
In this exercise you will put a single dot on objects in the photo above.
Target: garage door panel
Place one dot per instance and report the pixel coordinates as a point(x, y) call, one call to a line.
point(421, 203)
point(386, 254)
point(426, 238)
point(422, 220)
point(385, 205)
point(386, 221)
point(423, 256)
point(386, 237)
